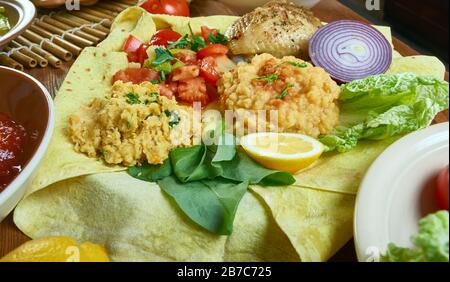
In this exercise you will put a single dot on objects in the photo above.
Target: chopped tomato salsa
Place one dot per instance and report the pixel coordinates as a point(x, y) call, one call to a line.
point(12, 140)
point(186, 68)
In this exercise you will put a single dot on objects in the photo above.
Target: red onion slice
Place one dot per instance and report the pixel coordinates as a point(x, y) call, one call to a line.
point(350, 50)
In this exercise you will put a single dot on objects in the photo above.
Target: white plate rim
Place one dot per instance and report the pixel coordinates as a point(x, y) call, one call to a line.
point(437, 130)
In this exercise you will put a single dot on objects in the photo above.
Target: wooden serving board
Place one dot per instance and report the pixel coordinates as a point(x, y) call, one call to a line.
point(326, 10)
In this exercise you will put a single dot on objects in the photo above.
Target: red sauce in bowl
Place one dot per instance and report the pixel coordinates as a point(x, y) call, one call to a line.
point(13, 137)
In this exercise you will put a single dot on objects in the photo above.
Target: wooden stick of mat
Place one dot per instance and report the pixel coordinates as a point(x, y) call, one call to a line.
point(49, 46)
point(75, 39)
point(7, 61)
point(92, 31)
point(94, 12)
point(41, 61)
point(111, 13)
point(52, 59)
point(72, 48)
point(122, 5)
point(111, 6)
point(127, 2)
point(22, 58)
point(105, 22)
point(81, 21)
point(63, 27)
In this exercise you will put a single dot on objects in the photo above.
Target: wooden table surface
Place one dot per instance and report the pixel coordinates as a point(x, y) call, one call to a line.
point(326, 10)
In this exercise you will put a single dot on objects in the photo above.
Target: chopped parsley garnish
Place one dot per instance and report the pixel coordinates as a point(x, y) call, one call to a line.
point(197, 43)
point(133, 98)
point(174, 118)
point(162, 75)
point(190, 29)
point(218, 39)
point(162, 56)
point(285, 92)
point(103, 153)
point(154, 94)
point(298, 65)
point(181, 43)
point(154, 81)
point(269, 78)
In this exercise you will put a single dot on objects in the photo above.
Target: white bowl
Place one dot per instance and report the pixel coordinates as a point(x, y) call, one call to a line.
point(21, 13)
point(28, 102)
point(398, 191)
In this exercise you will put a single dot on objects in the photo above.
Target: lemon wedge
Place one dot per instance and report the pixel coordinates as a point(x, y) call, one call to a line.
point(282, 151)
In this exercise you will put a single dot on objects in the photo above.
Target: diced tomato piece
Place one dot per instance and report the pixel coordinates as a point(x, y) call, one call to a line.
point(212, 92)
point(142, 54)
point(212, 50)
point(207, 31)
point(193, 90)
point(163, 37)
point(133, 47)
point(188, 57)
point(185, 72)
point(208, 70)
point(135, 75)
point(168, 90)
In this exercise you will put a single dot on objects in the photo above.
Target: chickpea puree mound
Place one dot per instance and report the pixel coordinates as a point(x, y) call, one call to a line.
point(304, 96)
point(132, 124)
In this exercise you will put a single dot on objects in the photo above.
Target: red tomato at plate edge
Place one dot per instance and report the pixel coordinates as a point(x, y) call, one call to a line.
point(442, 189)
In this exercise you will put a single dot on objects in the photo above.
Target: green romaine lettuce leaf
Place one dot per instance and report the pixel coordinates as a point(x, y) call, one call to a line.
point(383, 106)
point(431, 243)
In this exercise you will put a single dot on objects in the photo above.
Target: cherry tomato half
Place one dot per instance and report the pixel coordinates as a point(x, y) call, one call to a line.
point(163, 37)
point(442, 189)
point(169, 7)
point(212, 50)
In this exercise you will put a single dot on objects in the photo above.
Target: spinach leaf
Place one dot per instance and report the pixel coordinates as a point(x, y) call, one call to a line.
point(243, 168)
point(189, 163)
point(151, 173)
point(208, 182)
point(210, 203)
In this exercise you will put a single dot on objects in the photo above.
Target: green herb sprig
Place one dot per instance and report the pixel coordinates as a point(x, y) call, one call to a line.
point(218, 39)
point(133, 98)
point(163, 55)
point(269, 78)
point(285, 91)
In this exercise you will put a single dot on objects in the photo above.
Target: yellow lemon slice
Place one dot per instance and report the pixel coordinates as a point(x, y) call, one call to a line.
point(57, 249)
point(282, 151)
